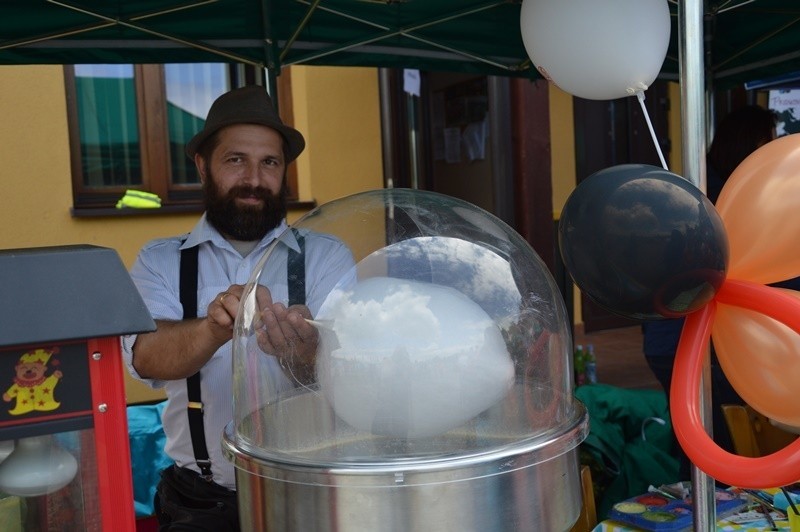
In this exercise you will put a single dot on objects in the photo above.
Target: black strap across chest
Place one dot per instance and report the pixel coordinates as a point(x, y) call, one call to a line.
point(296, 277)
point(188, 295)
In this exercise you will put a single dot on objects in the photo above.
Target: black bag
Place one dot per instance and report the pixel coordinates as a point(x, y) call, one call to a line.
point(186, 501)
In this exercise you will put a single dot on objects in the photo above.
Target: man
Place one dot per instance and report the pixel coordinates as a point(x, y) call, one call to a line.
point(241, 156)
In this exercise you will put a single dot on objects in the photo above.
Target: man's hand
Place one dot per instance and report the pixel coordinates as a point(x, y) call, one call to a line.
point(178, 349)
point(221, 313)
point(284, 332)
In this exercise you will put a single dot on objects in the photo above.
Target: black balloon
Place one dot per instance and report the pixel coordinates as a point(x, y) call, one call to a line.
point(643, 242)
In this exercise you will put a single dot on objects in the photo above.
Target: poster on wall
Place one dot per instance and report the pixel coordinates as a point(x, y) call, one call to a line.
point(786, 104)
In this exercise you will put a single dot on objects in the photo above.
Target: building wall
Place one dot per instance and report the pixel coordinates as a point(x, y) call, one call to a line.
point(337, 110)
point(562, 139)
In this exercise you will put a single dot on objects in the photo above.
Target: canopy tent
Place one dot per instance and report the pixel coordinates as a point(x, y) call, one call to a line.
point(746, 40)
point(480, 36)
point(749, 39)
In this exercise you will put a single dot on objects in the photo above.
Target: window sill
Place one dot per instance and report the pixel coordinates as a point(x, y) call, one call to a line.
point(99, 212)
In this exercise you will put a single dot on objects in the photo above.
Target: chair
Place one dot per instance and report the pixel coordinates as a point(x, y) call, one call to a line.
point(752, 433)
point(588, 517)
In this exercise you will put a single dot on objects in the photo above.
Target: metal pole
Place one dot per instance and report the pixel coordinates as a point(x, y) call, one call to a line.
point(693, 116)
point(387, 127)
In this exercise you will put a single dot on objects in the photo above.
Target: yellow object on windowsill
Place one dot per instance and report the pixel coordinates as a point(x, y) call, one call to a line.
point(138, 199)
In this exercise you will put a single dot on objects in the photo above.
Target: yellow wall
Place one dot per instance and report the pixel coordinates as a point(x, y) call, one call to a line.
point(562, 138)
point(338, 111)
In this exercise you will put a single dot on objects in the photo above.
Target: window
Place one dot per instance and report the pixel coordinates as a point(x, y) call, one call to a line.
point(129, 124)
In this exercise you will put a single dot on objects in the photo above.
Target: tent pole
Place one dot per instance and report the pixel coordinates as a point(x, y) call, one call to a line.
point(693, 116)
point(272, 66)
point(271, 82)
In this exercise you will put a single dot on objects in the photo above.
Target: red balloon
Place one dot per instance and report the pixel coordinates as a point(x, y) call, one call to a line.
point(777, 469)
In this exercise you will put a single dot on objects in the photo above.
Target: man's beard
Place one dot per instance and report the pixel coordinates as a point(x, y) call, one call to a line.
point(247, 223)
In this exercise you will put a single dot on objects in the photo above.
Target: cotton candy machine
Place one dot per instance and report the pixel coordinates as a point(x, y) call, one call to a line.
point(441, 397)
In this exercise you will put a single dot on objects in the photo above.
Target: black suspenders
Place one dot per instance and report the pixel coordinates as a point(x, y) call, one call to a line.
point(188, 295)
point(296, 271)
point(296, 277)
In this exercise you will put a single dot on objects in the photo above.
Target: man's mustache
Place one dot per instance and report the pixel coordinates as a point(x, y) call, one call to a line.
point(250, 192)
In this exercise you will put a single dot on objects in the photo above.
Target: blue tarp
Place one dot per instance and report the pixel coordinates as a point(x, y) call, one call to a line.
point(147, 441)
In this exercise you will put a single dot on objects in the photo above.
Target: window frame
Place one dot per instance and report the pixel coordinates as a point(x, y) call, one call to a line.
point(150, 85)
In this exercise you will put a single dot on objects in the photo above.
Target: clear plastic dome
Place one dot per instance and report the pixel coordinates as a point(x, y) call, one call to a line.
point(439, 333)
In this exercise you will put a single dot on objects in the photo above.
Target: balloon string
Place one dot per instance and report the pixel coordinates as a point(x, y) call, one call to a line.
point(640, 97)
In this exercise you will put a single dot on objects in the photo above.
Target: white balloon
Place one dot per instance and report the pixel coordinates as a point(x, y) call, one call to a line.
point(597, 49)
point(409, 359)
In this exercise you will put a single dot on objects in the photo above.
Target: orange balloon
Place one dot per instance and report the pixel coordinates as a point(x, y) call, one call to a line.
point(777, 469)
point(760, 208)
point(758, 353)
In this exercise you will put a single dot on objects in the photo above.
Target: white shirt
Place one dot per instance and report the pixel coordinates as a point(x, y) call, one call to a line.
point(156, 274)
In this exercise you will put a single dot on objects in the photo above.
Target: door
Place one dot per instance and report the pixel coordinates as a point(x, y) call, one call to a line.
point(483, 139)
point(452, 138)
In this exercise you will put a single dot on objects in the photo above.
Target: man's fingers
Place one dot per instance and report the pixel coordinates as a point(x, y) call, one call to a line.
point(285, 328)
point(272, 329)
point(305, 330)
point(263, 342)
point(263, 297)
point(222, 311)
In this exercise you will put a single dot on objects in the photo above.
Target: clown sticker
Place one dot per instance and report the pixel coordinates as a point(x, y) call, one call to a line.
point(33, 388)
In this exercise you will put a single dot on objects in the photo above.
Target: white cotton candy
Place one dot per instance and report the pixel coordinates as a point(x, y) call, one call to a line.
point(409, 359)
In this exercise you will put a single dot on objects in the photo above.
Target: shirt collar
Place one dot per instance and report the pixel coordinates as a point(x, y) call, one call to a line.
point(203, 231)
